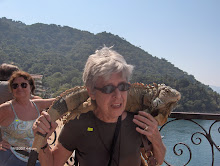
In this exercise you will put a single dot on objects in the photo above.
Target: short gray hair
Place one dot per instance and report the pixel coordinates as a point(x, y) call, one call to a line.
point(104, 63)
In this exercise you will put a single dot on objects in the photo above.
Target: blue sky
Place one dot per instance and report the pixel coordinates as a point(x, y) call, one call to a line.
point(185, 32)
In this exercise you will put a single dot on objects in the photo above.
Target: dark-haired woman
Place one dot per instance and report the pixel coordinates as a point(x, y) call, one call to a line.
point(17, 117)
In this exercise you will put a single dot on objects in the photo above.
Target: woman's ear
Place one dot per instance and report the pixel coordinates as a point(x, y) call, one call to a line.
point(91, 93)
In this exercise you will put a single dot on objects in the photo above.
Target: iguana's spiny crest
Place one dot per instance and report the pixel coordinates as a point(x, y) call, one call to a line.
point(158, 100)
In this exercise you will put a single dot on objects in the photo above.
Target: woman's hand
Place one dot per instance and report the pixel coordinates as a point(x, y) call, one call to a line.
point(44, 125)
point(148, 126)
point(4, 145)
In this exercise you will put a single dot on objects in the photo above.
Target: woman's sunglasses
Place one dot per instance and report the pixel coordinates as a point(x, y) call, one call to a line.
point(111, 88)
point(15, 85)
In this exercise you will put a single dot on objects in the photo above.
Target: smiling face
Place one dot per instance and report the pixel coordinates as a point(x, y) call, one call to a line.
point(110, 106)
point(21, 92)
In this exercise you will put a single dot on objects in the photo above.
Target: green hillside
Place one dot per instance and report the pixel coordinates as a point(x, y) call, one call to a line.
point(59, 53)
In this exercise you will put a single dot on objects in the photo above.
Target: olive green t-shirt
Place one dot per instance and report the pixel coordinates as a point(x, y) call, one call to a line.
point(92, 139)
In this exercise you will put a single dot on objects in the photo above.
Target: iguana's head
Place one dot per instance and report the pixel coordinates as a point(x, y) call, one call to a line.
point(165, 102)
point(168, 95)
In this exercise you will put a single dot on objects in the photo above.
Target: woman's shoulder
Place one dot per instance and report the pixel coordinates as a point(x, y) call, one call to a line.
point(84, 116)
point(5, 111)
point(83, 119)
point(130, 114)
point(128, 121)
point(5, 106)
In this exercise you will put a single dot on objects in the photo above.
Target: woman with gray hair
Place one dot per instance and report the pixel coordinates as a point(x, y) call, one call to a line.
point(108, 135)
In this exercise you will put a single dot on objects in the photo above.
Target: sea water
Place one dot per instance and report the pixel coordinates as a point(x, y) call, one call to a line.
point(190, 142)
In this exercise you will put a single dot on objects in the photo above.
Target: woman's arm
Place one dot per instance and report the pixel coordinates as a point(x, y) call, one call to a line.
point(4, 145)
point(58, 155)
point(35, 97)
point(43, 103)
point(144, 120)
point(4, 113)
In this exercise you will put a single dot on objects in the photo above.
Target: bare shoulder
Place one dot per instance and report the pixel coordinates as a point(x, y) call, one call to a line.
point(4, 106)
point(5, 111)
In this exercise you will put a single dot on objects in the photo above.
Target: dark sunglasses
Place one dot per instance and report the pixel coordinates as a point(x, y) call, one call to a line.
point(111, 88)
point(15, 85)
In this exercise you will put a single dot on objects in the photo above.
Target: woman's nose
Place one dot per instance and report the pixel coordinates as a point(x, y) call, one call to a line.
point(117, 93)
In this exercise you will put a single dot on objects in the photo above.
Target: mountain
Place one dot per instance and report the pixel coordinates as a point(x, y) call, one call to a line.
point(59, 53)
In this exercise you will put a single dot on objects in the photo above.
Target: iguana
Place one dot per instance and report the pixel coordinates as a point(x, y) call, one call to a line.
point(158, 100)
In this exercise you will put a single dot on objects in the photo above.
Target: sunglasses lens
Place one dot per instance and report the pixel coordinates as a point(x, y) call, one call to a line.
point(14, 86)
point(24, 85)
point(108, 89)
point(123, 86)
